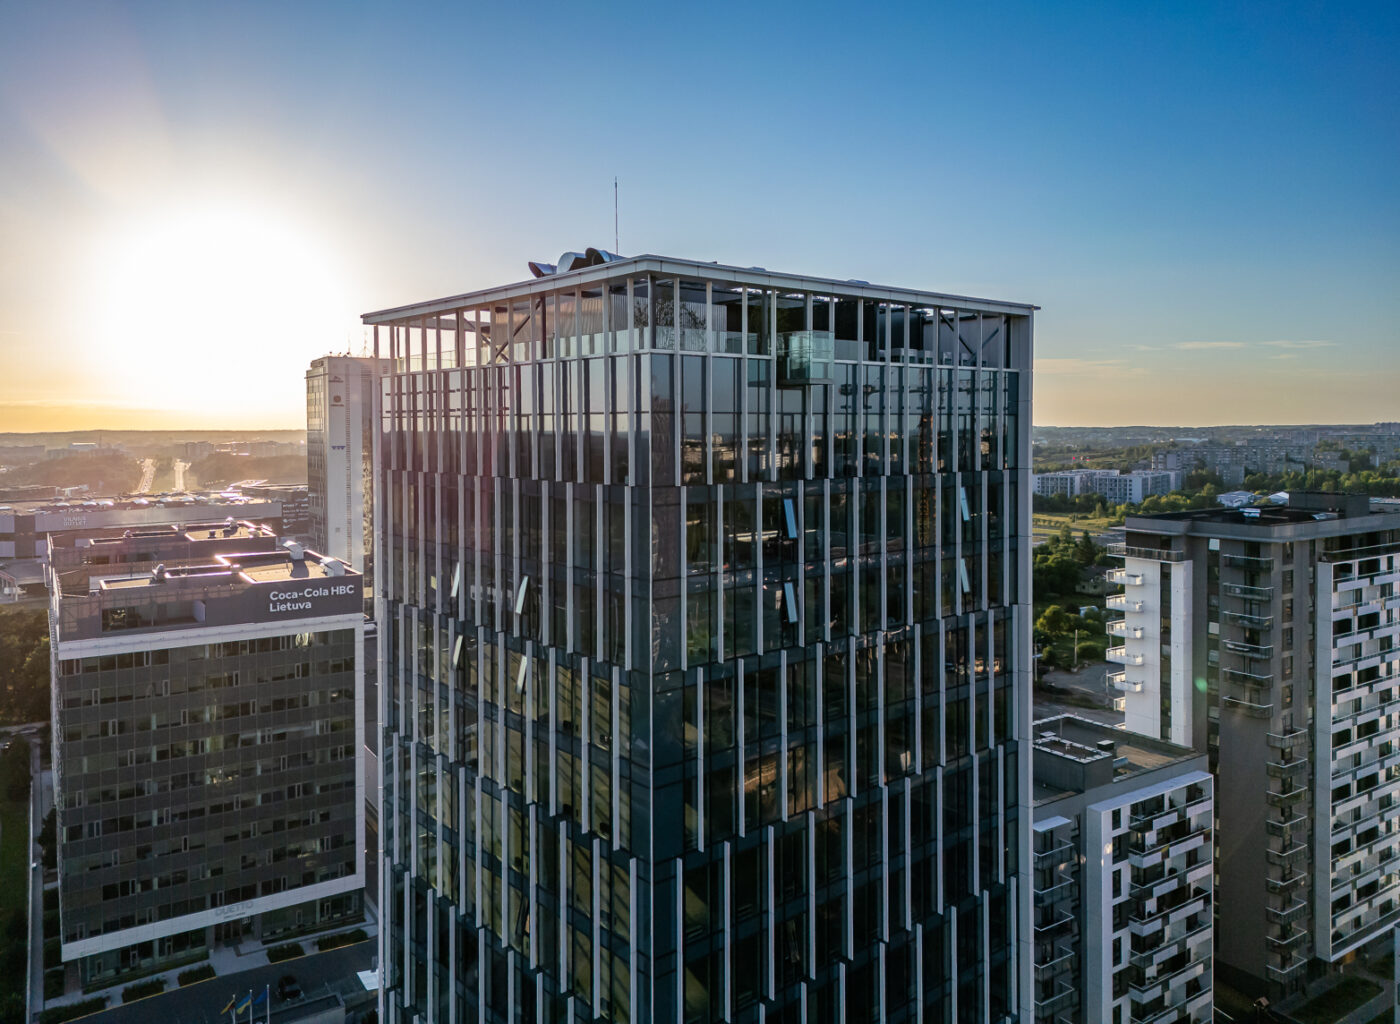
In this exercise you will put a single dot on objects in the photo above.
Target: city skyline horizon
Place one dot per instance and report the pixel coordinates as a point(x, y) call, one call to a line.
point(232, 192)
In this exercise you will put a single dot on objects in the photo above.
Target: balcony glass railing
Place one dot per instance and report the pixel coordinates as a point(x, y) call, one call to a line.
point(1120, 681)
point(1285, 943)
point(1286, 857)
point(1289, 796)
point(1288, 739)
point(1247, 593)
point(1121, 549)
point(1244, 676)
point(1246, 619)
point(805, 357)
point(1191, 970)
point(1250, 562)
point(1254, 709)
point(1122, 602)
point(1288, 884)
point(1249, 650)
point(1294, 911)
point(1122, 656)
point(1125, 578)
point(1287, 769)
point(1146, 958)
point(1146, 821)
point(1288, 970)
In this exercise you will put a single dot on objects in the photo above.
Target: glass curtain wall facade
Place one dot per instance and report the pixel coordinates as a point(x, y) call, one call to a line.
point(704, 646)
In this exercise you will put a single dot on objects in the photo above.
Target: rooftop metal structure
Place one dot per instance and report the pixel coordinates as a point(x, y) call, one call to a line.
point(666, 266)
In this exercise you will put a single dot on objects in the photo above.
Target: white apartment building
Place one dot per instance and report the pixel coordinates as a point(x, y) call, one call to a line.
point(339, 457)
point(1116, 488)
point(1122, 883)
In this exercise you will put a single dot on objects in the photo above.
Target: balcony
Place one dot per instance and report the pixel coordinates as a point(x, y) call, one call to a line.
point(1278, 886)
point(1293, 912)
point(1120, 703)
point(1164, 948)
point(1062, 957)
point(1284, 829)
point(1288, 944)
point(1284, 799)
point(1060, 997)
point(1151, 988)
point(1239, 675)
point(1256, 651)
point(1165, 849)
point(1287, 857)
point(1247, 620)
point(1249, 707)
point(1123, 603)
point(1058, 920)
point(1247, 593)
point(1121, 549)
point(1249, 562)
point(1170, 813)
point(1120, 681)
point(1287, 769)
point(1121, 656)
point(1291, 968)
point(1119, 627)
point(805, 357)
point(1143, 922)
point(1054, 894)
point(1352, 554)
point(1125, 578)
point(1289, 739)
point(1060, 853)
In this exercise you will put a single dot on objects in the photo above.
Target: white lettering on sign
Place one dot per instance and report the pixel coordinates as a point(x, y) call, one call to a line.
point(232, 910)
point(304, 600)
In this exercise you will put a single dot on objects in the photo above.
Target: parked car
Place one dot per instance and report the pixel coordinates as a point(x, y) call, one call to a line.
point(288, 987)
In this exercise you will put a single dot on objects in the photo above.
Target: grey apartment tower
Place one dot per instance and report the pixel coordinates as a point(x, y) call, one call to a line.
point(1267, 637)
point(704, 618)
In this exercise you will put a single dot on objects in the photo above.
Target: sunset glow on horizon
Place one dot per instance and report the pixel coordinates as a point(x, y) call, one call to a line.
point(196, 202)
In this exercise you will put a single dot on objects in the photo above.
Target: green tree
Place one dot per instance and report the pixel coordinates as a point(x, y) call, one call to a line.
point(1086, 550)
point(1053, 621)
point(14, 771)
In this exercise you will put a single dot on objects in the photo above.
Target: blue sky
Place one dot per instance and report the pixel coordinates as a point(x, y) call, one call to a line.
point(1201, 198)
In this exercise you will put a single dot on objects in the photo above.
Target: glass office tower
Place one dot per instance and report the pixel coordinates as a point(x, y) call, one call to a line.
point(705, 634)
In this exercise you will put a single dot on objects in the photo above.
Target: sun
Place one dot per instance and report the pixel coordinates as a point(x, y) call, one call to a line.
point(216, 308)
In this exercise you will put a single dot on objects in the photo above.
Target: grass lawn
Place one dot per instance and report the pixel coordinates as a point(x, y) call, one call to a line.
point(14, 856)
point(1337, 1002)
point(1045, 525)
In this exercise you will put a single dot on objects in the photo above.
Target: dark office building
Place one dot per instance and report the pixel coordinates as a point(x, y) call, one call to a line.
point(206, 743)
point(704, 609)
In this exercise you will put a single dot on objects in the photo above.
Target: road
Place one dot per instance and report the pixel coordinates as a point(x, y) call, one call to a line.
point(179, 468)
point(148, 476)
point(1089, 692)
point(201, 1003)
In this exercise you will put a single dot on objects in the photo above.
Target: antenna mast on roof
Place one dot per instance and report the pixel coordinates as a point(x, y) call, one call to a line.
point(616, 246)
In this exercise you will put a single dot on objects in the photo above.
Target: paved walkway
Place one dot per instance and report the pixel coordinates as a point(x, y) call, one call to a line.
point(203, 1002)
point(227, 961)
